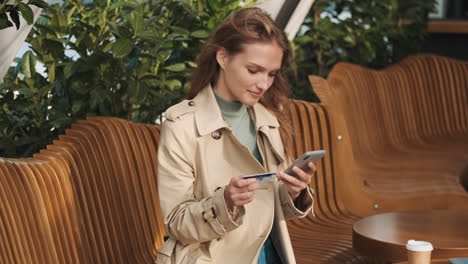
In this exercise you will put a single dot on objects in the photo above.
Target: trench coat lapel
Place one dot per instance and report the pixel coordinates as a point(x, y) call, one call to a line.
point(208, 117)
point(266, 123)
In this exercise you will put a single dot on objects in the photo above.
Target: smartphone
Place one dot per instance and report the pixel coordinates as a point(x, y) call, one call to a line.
point(303, 160)
point(262, 177)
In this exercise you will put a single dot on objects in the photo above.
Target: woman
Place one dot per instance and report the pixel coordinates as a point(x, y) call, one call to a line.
point(231, 125)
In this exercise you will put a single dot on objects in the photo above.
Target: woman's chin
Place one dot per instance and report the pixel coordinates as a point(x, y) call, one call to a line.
point(250, 102)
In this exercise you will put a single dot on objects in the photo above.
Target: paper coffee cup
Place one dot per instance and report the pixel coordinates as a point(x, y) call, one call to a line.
point(419, 252)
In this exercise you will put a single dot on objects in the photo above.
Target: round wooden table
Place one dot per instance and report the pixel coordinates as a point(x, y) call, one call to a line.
point(384, 236)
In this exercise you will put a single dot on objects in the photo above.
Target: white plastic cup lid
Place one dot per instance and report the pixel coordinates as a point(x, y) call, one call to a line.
point(414, 245)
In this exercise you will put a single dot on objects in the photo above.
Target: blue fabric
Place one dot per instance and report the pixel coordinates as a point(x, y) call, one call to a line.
point(458, 260)
point(268, 254)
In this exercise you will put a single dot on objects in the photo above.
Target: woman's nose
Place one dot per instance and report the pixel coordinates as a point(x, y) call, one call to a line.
point(263, 82)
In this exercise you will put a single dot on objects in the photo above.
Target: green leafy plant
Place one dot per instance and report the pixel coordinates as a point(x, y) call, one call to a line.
point(371, 33)
point(10, 12)
point(128, 59)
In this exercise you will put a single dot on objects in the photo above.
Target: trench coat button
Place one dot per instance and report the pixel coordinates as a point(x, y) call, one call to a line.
point(216, 135)
point(191, 103)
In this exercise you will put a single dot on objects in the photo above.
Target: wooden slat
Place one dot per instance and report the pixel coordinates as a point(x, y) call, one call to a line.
point(325, 238)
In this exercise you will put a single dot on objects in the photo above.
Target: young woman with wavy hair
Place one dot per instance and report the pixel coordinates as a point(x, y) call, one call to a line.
point(232, 124)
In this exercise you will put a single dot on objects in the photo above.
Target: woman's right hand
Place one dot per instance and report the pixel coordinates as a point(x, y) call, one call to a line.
point(239, 192)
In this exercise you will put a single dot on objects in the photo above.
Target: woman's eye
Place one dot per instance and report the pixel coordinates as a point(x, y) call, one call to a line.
point(252, 71)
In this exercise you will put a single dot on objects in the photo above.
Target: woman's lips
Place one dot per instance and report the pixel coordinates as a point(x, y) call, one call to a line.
point(256, 95)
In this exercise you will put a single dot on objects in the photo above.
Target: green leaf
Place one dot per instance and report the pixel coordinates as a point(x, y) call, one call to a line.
point(117, 5)
point(192, 64)
point(163, 55)
point(181, 31)
point(15, 17)
point(80, 88)
point(200, 34)
point(106, 45)
point(76, 106)
point(173, 84)
point(71, 12)
point(150, 35)
point(122, 47)
point(5, 108)
point(137, 91)
point(25, 91)
point(59, 23)
point(178, 67)
point(51, 72)
point(69, 69)
point(137, 22)
point(39, 3)
point(28, 64)
point(124, 32)
point(4, 21)
point(26, 12)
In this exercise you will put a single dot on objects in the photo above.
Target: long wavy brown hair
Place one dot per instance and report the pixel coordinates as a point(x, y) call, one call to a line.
point(247, 26)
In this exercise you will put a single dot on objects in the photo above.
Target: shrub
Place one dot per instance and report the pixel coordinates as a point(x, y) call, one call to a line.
point(371, 33)
point(127, 59)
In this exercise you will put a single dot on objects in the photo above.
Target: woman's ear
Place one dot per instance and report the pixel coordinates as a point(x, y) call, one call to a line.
point(222, 57)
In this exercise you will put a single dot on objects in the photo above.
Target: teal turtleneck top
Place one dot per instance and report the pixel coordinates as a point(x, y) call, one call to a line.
point(243, 128)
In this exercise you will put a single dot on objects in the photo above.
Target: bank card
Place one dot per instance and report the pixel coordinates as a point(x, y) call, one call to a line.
point(262, 177)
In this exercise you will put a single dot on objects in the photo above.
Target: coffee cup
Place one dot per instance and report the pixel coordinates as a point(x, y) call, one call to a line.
point(419, 252)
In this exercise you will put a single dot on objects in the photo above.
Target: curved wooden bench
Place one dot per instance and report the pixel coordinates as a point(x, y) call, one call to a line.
point(404, 134)
point(88, 198)
point(387, 148)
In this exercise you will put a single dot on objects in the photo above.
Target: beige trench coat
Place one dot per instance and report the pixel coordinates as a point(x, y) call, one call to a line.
point(198, 155)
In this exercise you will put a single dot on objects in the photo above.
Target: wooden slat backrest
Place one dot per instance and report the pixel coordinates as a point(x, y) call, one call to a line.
point(404, 133)
point(26, 229)
point(90, 197)
point(325, 237)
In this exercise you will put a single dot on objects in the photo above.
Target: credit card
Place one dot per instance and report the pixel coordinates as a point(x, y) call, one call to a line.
point(262, 177)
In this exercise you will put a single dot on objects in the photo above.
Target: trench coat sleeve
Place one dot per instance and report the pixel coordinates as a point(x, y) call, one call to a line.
point(299, 208)
point(187, 219)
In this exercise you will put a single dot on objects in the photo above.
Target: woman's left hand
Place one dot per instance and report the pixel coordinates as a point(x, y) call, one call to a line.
point(297, 184)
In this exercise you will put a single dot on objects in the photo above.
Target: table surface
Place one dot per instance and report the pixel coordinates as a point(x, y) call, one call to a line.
point(432, 262)
point(384, 236)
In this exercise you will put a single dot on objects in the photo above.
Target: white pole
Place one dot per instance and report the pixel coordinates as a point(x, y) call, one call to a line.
point(273, 7)
point(11, 40)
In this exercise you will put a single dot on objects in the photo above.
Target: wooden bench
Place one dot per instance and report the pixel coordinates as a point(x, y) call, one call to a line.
point(90, 197)
point(397, 140)
point(403, 131)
